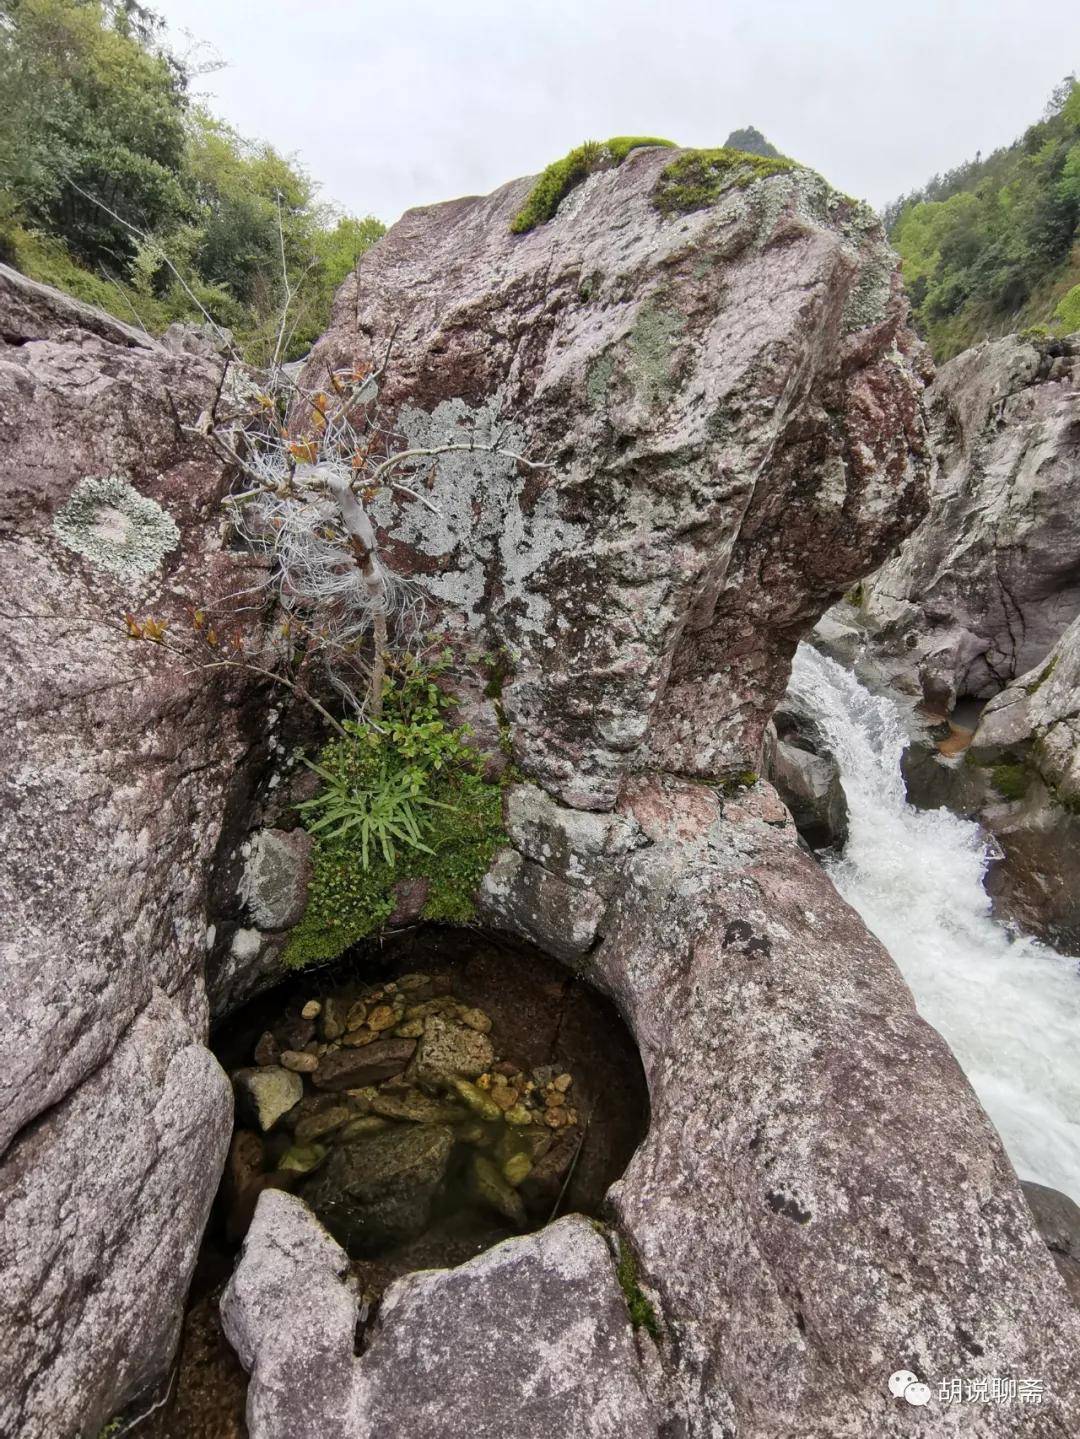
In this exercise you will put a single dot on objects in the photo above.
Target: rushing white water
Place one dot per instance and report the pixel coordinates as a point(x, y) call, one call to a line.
point(1008, 1006)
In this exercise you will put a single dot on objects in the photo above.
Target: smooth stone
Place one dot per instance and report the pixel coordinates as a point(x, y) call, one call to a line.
point(311, 1010)
point(517, 1169)
point(476, 1019)
point(263, 1095)
point(356, 1016)
point(299, 1062)
point(476, 1099)
point(363, 1124)
point(315, 1126)
point(382, 1017)
point(379, 1189)
point(353, 1069)
point(416, 1107)
point(490, 1188)
point(303, 1158)
point(332, 1020)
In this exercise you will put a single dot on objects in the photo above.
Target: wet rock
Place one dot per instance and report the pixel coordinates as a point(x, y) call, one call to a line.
point(446, 1049)
point(363, 1124)
point(311, 1010)
point(357, 1015)
point(810, 786)
point(267, 1050)
point(476, 1099)
point(383, 1016)
point(379, 1189)
point(985, 587)
point(276, 876)
point(475, 1019)
point(299, 1062)
point(333, 1020)
point(303, 1158)
point(263, 1095)
point(1027, 743)
point(355, 1068)
point(415, 1107)
point(1058, 1221)
point(531, 1339)
point(322, 1123)
point(490, 1188)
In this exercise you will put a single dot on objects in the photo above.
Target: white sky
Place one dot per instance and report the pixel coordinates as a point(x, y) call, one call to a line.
point(392, 103)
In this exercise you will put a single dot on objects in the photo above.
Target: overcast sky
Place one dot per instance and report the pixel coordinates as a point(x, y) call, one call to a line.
point(392, 103)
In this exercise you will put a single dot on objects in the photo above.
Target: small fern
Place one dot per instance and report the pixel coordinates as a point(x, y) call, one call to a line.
point(382, 814)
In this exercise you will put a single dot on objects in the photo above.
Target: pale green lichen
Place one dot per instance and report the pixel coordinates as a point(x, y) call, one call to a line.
point(115, 528)
point(597, 379)
point(653, 340)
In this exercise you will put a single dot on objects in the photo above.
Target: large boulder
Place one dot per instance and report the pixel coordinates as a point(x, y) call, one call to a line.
point(532, 1338)
point(984, 588)
point(730, 415)
point(120, 755)
point(1026, 751)
point(819, 1201)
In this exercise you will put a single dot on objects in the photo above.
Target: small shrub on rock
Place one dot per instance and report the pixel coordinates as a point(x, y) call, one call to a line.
point(403, 799)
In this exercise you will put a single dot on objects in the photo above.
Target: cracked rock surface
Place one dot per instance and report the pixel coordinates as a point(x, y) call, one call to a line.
point(114, 1119)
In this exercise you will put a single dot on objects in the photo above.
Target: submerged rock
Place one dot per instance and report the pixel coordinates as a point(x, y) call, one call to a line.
point(379, 1190)
point(355, 1068)
point(263, 1095)
point(446, 1049)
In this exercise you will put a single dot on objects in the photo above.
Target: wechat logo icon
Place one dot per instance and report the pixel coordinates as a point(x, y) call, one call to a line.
point(906, 1385)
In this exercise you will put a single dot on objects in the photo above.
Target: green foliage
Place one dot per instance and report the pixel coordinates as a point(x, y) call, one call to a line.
point(561, 177)
point(697, 178)
point(1010, 780)
point(415, 788)
point(106, 168)
point(642, 1314)
point(1067, 313)
point(752, 141)
point(987, 248)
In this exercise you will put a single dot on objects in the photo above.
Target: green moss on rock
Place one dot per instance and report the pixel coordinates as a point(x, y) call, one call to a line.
point(697, 179)
point(349, 900)
point(642, 1314)
point(1010, 780)
point(560, 178)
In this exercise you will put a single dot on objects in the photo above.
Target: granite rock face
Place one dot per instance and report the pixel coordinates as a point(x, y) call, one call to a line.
point(731, 418)
point(119, 763)
point(984, 588)
point(819, 1200)
point(1028, 738)
point(532, 1338)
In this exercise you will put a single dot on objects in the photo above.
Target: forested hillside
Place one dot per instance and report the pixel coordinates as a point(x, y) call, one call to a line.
point(994, 245)
point(116, 185)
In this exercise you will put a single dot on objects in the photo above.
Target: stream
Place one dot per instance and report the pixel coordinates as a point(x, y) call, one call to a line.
point(1008, 1006)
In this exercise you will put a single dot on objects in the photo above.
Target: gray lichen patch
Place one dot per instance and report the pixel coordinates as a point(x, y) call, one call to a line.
point(653, 344)
point(116, 528)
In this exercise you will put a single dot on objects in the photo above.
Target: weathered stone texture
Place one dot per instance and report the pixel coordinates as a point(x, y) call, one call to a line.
point(984, 588)
point(734, 437)
point(119, 758)
point(532, 1338)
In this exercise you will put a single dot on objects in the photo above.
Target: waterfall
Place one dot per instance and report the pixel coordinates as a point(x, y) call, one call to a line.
point(1008, 1006)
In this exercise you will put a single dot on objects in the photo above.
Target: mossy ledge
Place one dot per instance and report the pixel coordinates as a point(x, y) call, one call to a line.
point(563, 175)
point(696, 179)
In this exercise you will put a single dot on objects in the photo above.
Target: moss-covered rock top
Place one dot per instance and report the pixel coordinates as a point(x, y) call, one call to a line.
point(697, 178)
point(563, 175)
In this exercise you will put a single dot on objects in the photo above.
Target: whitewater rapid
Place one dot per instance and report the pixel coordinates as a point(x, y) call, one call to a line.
point(1008, 1006)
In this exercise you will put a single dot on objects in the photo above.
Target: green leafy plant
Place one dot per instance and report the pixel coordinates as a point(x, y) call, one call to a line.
point(403, 799)
point(384, 810)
